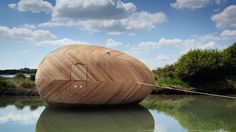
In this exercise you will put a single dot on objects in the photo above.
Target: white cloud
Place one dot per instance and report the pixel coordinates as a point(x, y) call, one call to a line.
point(207, 41)
point(13, 6)
point(226, 18)
point(34, 6)
point(92, 9)
point(113, 43)
point(162, 57)
point(59, 42)
point(111, 16)
point(24, 34)
point(31, 26)
point(162, 60)
point(193, 4)
point(206, 38)
point(33, 36)
point(228, 34)
point(209, 45)
point(148, 45)
point(24, 116)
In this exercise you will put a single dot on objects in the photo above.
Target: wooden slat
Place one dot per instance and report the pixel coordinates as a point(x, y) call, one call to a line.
point(110, 76)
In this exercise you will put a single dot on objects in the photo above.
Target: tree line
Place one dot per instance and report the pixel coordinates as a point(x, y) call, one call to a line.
point(203, 67)
point(16, 71)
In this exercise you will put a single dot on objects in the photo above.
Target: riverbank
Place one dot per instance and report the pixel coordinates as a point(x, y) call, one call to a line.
point(223, 87)
point(209, 71)
point(19, 85)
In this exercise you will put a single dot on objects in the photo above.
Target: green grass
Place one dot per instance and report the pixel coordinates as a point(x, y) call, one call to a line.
point(18, 85)
point(173, 82)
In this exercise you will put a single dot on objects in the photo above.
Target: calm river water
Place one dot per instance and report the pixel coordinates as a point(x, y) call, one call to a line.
point(155, 113)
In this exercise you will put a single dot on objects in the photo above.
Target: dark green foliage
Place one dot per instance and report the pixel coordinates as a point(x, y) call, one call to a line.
point(20, 76)
point(167, 72)
point(15, 71)
point(17, 86)
point(202, 68)
point(229, 58)
point(21, 101)
point(32, 77)
point(196, 113)
point(172, 82)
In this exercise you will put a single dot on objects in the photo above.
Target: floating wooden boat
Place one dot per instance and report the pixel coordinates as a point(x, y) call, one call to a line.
point(89, 74)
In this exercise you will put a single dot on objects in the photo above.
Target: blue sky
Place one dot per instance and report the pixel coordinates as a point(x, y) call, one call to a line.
point(157, 32)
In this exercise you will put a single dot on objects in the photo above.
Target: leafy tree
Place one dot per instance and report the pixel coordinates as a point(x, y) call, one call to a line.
point(199, 66)
point(229, 58)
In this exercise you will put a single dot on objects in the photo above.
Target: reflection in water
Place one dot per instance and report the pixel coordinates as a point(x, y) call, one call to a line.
point(21, 102)
point(128, 119)
point(197, 113)
point(168, 113)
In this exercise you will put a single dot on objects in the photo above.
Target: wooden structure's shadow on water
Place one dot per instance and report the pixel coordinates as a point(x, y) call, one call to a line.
point(133, 118)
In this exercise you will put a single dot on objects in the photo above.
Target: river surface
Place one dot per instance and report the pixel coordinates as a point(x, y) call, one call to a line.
point(156, 113)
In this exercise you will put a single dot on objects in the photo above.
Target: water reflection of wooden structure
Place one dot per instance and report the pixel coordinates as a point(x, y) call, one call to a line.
point(89, 74)
point(132, 119)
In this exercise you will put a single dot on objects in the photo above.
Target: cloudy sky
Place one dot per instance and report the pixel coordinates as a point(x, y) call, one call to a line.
point(157, 32)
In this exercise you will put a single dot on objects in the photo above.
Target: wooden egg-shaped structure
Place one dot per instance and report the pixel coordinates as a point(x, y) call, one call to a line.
point(89, 74)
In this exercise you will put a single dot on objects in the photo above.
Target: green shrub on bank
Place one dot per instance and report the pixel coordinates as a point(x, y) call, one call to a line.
point(16, 82)
point(201, 67)
point(173, 82)
point(32, 77)
point(229, 59)
point(19, 76)
point(164, 73)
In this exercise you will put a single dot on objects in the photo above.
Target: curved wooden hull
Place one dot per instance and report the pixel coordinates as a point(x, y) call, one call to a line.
point(88, 74)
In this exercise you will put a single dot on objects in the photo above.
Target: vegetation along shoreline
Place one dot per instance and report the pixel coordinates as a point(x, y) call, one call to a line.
point(211, 71)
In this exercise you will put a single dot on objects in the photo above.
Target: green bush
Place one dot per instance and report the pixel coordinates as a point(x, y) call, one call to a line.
point(167, 72)
point(27, 84)
point(20, 76)
point(229, 58)
point(8, 84)
point(32, 77)
point(200, 66)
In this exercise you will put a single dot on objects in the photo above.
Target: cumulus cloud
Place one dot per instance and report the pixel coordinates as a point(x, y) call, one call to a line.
point(92, 9)
point(208, 41)
point(163, 59)
point(226, 18)
point(59, 42)
point(209, 45)
point(228, 34)
point(193, 4)
point(13, 6)
point(113, 43)
point(34, 6)
point(14, 34)
point(149, 45)
point(28, 34)
point(111, 16)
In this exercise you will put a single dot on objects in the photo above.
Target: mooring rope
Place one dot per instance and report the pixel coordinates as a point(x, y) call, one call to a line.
point(189, 91)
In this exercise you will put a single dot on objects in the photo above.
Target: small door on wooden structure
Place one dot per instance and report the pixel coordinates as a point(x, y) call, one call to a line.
point(78, 76)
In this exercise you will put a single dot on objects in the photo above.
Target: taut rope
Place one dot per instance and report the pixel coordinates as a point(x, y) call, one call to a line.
point(189, 91)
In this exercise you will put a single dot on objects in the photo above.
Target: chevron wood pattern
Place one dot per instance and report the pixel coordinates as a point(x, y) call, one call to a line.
point(89, 74)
